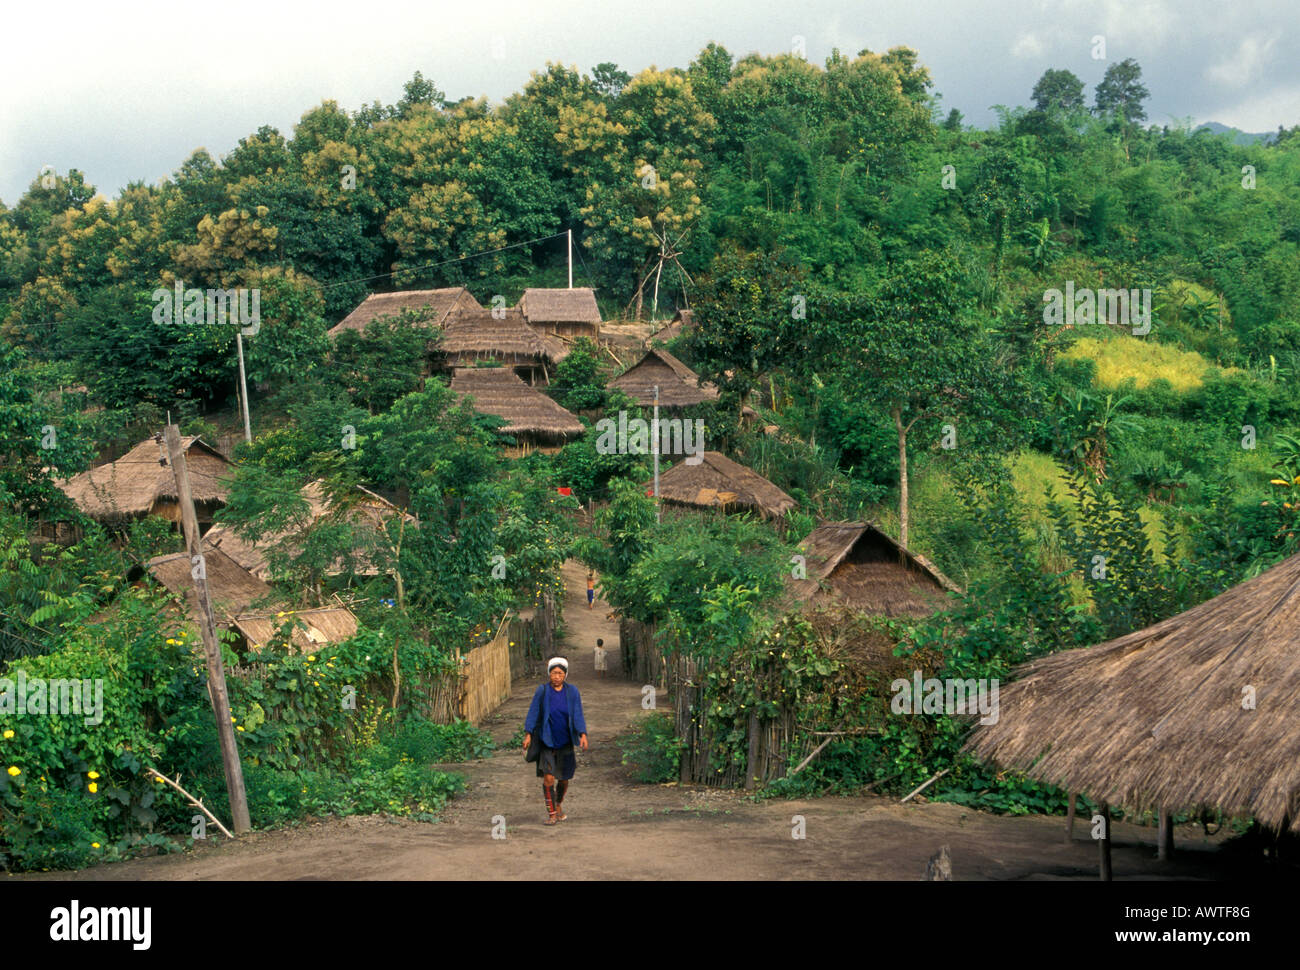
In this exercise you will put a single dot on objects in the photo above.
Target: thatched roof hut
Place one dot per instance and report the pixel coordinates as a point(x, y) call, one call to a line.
point(142, 482)
point(1199, 710)
point(471, 336)
point(369, 510)
point(857, 565)
point(683, 321)
point(319, 627)
point(719, 482)
point(679, 386)
point(239, 598)
point(529, 414)
point(435, 304)
point(566, 313)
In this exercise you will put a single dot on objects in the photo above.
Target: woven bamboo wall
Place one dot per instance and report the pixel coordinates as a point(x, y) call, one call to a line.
point(485, 678)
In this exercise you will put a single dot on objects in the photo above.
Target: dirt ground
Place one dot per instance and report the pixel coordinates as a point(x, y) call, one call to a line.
point(620, 829)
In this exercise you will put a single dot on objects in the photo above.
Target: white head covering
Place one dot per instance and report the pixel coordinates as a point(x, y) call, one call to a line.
point(557, 662)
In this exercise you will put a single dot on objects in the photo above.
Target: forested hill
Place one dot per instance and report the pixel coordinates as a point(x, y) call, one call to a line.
point(791, 203)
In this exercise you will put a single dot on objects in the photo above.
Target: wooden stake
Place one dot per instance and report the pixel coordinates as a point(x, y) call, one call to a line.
point(1103, 843)
point(196, 802)
point(1165, 841)
point(207, 627)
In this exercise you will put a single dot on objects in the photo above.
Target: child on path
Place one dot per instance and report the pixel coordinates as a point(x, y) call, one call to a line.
point(591, 589)
point(600, 657)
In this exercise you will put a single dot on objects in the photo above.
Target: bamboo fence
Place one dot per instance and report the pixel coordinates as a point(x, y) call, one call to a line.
point(771, 741)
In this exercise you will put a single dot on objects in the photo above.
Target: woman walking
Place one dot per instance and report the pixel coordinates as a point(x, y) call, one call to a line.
point(555, 717)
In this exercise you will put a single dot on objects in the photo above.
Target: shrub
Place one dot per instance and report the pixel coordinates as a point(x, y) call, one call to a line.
point(653, 750)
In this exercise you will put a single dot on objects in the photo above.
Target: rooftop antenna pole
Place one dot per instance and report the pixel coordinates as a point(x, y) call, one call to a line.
point(654, 443)
point(570, 236)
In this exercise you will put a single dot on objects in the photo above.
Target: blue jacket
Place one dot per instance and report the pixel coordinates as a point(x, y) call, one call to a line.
point(539, 710)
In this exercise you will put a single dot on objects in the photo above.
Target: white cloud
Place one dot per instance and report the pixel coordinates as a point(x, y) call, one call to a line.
point(1028, 45)
point(1244, 64)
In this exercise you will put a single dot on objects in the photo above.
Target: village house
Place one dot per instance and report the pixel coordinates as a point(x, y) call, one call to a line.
point(567, 313)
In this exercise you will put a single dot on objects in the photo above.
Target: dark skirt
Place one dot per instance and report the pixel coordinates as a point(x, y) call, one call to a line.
point(560, 762)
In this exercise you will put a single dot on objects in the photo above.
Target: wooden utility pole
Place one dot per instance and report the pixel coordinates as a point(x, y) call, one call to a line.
point(207, 627)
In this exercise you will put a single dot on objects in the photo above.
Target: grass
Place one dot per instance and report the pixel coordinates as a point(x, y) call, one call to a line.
point(1122, 356)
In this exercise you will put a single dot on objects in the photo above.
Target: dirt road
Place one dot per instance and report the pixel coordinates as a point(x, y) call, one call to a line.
point(620, 829)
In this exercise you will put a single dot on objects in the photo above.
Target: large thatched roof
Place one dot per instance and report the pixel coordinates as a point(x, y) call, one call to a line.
point(679, 386)
point(437, 304)
point(856, 564)
point(141, 479)
point(549, 306)
point(719, 481)
point(368, 510)
point(526, 410)
point(506, 336)
point(1202, 709)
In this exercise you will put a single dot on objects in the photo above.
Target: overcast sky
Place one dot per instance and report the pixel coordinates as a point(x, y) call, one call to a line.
point(127, 90)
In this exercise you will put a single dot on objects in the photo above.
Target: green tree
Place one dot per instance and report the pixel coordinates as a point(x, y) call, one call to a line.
point(1058, 90)
point(916, 352)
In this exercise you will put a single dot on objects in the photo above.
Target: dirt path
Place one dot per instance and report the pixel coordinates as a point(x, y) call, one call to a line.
point(619, 829)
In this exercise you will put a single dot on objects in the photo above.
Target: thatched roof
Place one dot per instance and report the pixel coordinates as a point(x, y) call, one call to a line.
point(470, 334)
point(140, 479)
point(683, 321)
point(546, 306)
point(437, 303)
point(1156, 717)
point(370, 510)
point(233, 590)
point(856, 564)
point(526, 410)
point(679, 386)
point(320, 626)
point(719, 481)
point(231, 587)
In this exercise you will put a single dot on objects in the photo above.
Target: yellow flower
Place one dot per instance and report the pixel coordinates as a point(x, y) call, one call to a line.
point(312, 658)
point(329, 665)
point(159, 780)
point(1278, 481)
point(94, 845)
point(92, 775)
point(171, 642)
point(14, 772)
point(9, 734)
point(94, 787)
point(239, 727)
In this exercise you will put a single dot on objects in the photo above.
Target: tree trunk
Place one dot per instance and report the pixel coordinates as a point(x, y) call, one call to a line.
point(902, 477)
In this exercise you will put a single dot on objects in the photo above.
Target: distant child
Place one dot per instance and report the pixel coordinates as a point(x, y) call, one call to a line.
point(591, 589)
point(601, 666)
